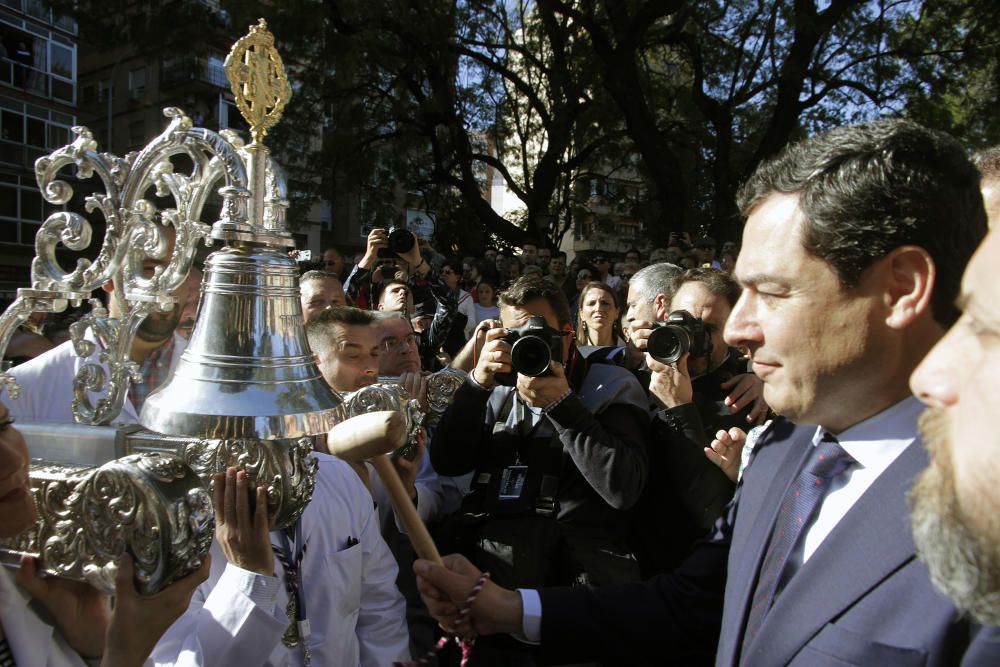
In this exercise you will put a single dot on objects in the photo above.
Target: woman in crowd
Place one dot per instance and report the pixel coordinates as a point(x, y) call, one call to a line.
point(80, 626)
point(487, 308)
point(598, 316)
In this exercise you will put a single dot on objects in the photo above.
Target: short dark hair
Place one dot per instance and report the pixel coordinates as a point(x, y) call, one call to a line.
point(987, 161)
point(717, 282)
point(318, 274)
point(321, 332)
point(558, 253)
point(386, 284)
point(529, 288)
point(870, 188)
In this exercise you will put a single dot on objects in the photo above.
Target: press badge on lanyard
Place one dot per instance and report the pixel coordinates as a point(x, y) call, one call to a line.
point(512, 482)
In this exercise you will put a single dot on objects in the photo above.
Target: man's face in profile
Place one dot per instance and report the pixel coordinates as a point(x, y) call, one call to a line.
point(956, 501)
point(159, 327)
point(816, 344)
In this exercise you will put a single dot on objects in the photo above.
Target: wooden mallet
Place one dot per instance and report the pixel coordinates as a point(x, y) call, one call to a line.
point(372, 436)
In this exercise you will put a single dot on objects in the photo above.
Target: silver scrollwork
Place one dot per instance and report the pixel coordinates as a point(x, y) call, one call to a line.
point(285, 469)
point(151, 505)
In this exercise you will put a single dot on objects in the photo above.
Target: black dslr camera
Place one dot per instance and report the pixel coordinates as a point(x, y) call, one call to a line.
point(533, 345)
point(401, 240)
point(682, 332)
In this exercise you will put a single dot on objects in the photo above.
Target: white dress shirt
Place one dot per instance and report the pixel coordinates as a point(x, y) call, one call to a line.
point(47, 383)
point(32, 641)
point(874, 444)
point(355, 611)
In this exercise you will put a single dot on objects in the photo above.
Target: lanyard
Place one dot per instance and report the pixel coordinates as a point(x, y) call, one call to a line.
point(290, 554)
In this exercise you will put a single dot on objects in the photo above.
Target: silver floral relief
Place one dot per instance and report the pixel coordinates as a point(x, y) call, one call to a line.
point(151, 505)
point(387, 396)
point(284, 467)
point(441, 388)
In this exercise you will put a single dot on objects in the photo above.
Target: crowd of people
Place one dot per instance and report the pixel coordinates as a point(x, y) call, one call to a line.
point(703, 455)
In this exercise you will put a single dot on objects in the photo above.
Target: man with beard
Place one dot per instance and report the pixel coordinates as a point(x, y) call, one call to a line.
point(852, 253)
point(955, 501)
point(190, 311)
point(988, 163)
point(46, 381)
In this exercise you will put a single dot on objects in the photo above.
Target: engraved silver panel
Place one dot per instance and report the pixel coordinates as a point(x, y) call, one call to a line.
point(151, 505)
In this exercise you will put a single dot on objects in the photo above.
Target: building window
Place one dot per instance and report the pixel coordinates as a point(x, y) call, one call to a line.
point(137, 132)
point(22, 209)
point(39, 61)
point(29, 131)
point(137, 83)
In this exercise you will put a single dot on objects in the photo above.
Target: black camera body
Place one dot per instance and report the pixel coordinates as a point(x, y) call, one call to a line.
point(534, 345)
point(682, 332)
point(401, 240)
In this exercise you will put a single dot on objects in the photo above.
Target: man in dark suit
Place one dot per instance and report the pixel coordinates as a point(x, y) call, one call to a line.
point(852, 254)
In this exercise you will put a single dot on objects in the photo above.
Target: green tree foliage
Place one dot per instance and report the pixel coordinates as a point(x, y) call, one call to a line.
point(399, 101)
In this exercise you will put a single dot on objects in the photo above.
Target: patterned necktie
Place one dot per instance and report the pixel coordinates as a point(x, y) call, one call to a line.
point(826, 462)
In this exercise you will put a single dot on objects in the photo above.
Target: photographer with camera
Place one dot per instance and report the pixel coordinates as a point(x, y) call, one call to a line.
point(421, 282)
point(698, 385)
point(364, 283)
point(558, 446)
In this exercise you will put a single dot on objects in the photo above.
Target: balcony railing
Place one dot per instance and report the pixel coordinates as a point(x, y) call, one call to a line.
point(34, 80)
point(192, 70)
point(37, 10)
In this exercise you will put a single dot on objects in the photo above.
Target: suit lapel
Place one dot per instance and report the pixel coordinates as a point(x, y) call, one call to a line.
point(871, 542)
point(765, 483)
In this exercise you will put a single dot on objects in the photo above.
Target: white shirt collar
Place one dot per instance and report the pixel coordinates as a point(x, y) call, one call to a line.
point(877, 441)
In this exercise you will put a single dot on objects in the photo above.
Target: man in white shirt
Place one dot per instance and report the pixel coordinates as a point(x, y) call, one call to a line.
point(46, 381)
point(326, 597)
point(852, 251)
point(332, 572)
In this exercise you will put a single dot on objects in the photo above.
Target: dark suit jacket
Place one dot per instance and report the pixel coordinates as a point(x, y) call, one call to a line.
point(861, 599)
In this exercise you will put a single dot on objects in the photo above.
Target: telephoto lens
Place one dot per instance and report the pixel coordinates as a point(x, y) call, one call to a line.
point(681, 333)
point(533, 346)
point(401, 240)
point(531, 356)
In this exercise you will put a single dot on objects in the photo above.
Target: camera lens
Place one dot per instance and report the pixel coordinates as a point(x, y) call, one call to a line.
point(530, 355)
point(401, 241)
point(668, 343)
